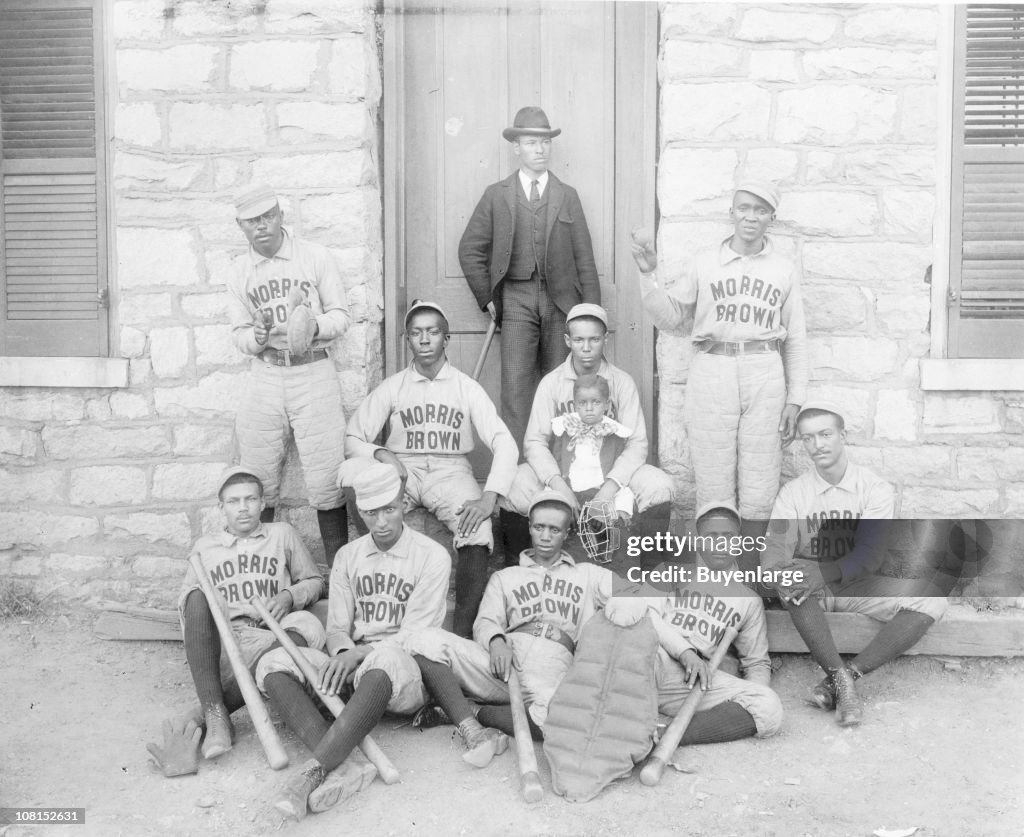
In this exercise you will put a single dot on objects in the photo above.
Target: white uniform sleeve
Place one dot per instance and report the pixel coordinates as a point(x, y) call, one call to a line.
point(428, 602)
point(537, 440)
point(341, 606)
point(794, 347)
point(494, 434)
point(752, 645)
point(334, 320)
point(368, 421)
point(783, 535)
point(491, 618)
point(671, 312)
point(240, 314)
point(869, 547)
point(307, 585)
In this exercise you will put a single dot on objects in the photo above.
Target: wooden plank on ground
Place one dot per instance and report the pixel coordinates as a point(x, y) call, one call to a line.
point(963, 632)
point(127, 626)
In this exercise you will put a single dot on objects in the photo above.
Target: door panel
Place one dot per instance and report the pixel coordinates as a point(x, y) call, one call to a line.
point(454, 78)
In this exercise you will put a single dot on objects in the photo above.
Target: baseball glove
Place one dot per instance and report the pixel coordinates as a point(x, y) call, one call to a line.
point(301, 324)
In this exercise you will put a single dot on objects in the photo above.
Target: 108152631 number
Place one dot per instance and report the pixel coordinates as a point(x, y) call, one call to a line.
point(28, 816)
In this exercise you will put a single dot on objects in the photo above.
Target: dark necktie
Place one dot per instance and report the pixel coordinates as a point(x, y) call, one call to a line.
point(534, 192)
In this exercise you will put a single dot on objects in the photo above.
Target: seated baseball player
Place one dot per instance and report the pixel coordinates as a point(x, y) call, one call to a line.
point(587, 441)
point(690, 623)
point(530, 618)
point(248, 558)
point(827, 523)
point(586, 331)
point(430, 411)
point(385, 585)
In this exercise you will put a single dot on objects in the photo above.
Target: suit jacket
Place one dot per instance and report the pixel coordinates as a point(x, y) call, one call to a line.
point(486, 246)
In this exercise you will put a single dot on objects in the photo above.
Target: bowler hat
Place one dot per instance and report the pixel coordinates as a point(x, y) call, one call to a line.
point(531, 121)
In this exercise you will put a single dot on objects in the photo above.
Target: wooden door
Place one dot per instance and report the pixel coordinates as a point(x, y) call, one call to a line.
point(454, 78)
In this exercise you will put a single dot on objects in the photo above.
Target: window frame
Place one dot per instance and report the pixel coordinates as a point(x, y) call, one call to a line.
point(106, 370)
point(939, 372)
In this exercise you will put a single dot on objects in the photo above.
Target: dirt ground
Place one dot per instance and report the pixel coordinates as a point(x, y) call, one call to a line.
point(941, 750)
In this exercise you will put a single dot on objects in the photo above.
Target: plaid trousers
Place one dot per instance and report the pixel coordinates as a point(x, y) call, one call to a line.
point(532, 344)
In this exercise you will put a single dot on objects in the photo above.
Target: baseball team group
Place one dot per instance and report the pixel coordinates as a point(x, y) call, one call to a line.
point(570, 435)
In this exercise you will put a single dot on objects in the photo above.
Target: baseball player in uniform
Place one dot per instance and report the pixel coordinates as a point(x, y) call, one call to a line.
point(385, 585)
point(429, 412)
point(530, 618)
point(247, 558)
point(286, 306)
point(826, 523)
point(690, 623)
point(741, 302)
point(586, 332)
point(527, 256)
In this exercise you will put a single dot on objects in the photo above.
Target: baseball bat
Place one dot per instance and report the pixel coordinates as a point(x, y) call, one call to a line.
point(533, 791)
point(385, 769)
point(654, 767)
point(272, 747)
point(484, 349)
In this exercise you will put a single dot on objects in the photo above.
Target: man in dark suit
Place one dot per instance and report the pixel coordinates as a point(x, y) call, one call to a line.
point(527, 257)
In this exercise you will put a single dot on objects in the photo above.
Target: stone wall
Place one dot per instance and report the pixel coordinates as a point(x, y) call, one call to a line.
point(102, 491)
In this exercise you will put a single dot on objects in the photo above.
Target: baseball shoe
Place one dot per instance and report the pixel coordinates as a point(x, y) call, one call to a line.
point(430, 716)
point(342, 783)
point(294, 799)
point(849, 708)
point(482, 743)
point(219, 731)
point(823, 695)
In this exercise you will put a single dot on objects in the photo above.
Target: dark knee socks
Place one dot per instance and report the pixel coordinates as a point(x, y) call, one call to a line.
point(726, 722)
point(202, 649)
point(333, 531)
point(515, 534)
point(499, 716)
point(811, 624)
point(296, 708)
point(895, 637)
point(470, 581)
point(362, 712)
point(441, 682)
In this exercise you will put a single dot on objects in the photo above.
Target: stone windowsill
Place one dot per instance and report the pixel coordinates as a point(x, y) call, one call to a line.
point(79, 372)
point(985, 374)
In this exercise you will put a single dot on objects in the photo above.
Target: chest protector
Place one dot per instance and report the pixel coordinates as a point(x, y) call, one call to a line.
point(602, 719)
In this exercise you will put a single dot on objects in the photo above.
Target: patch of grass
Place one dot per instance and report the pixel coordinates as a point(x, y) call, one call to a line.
point(18, 600)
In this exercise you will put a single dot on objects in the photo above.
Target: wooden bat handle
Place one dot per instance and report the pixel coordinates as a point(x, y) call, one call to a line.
point(277, 758)
point(385, 769)
point(483, 351)
point(533, 791)
point(654, 767)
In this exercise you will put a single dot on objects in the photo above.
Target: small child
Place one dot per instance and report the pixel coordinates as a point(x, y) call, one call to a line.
point(587, 442)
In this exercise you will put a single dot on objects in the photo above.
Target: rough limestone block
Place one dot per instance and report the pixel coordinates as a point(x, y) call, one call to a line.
point(929, 501)
point(138, 20)
point(693, 175)
point(152, 527)
point(168, 350)
point(217, 395)
point(200, 17)
point(960, 413)
point(868, 62)
point(335, 170)
point(889, 265)
point(273, 65)
point(23, 485)
point(835, 213)
point(311, 16)
point(108, 485)
point(918, 462)
point(47, 405)
point(205, 306)
point(679, 19)
point(682, 60)
point(78, 566)
point(137, 123)
point(306, 122)
point(158, 566)
point(187, 68)
point(779, 65)
point(765, 26)
point(143, 310)
point(139, 171)
point(149, 256)
point(186, 481)
point(852, 358)
point(974, 465)
point(214, 346)
point(894, 25)
point(705, 112)
point(834, 307)
point(133, 341)
point(204, 126)
point(908, 213)
point(203, 439)
point(103, 442)
point(349, 71)
point(18, 442)
point(896, 416)
point(835, 114)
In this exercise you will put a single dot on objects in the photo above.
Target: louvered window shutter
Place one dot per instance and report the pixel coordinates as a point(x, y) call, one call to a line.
point(986, 301)
point(53, 251)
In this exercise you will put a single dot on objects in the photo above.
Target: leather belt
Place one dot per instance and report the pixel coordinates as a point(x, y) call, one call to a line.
point(282, 357)
point(546, 630)
point(746, 347)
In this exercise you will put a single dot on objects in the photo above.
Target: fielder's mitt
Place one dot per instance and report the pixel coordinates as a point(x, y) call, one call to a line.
point(301, 324)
